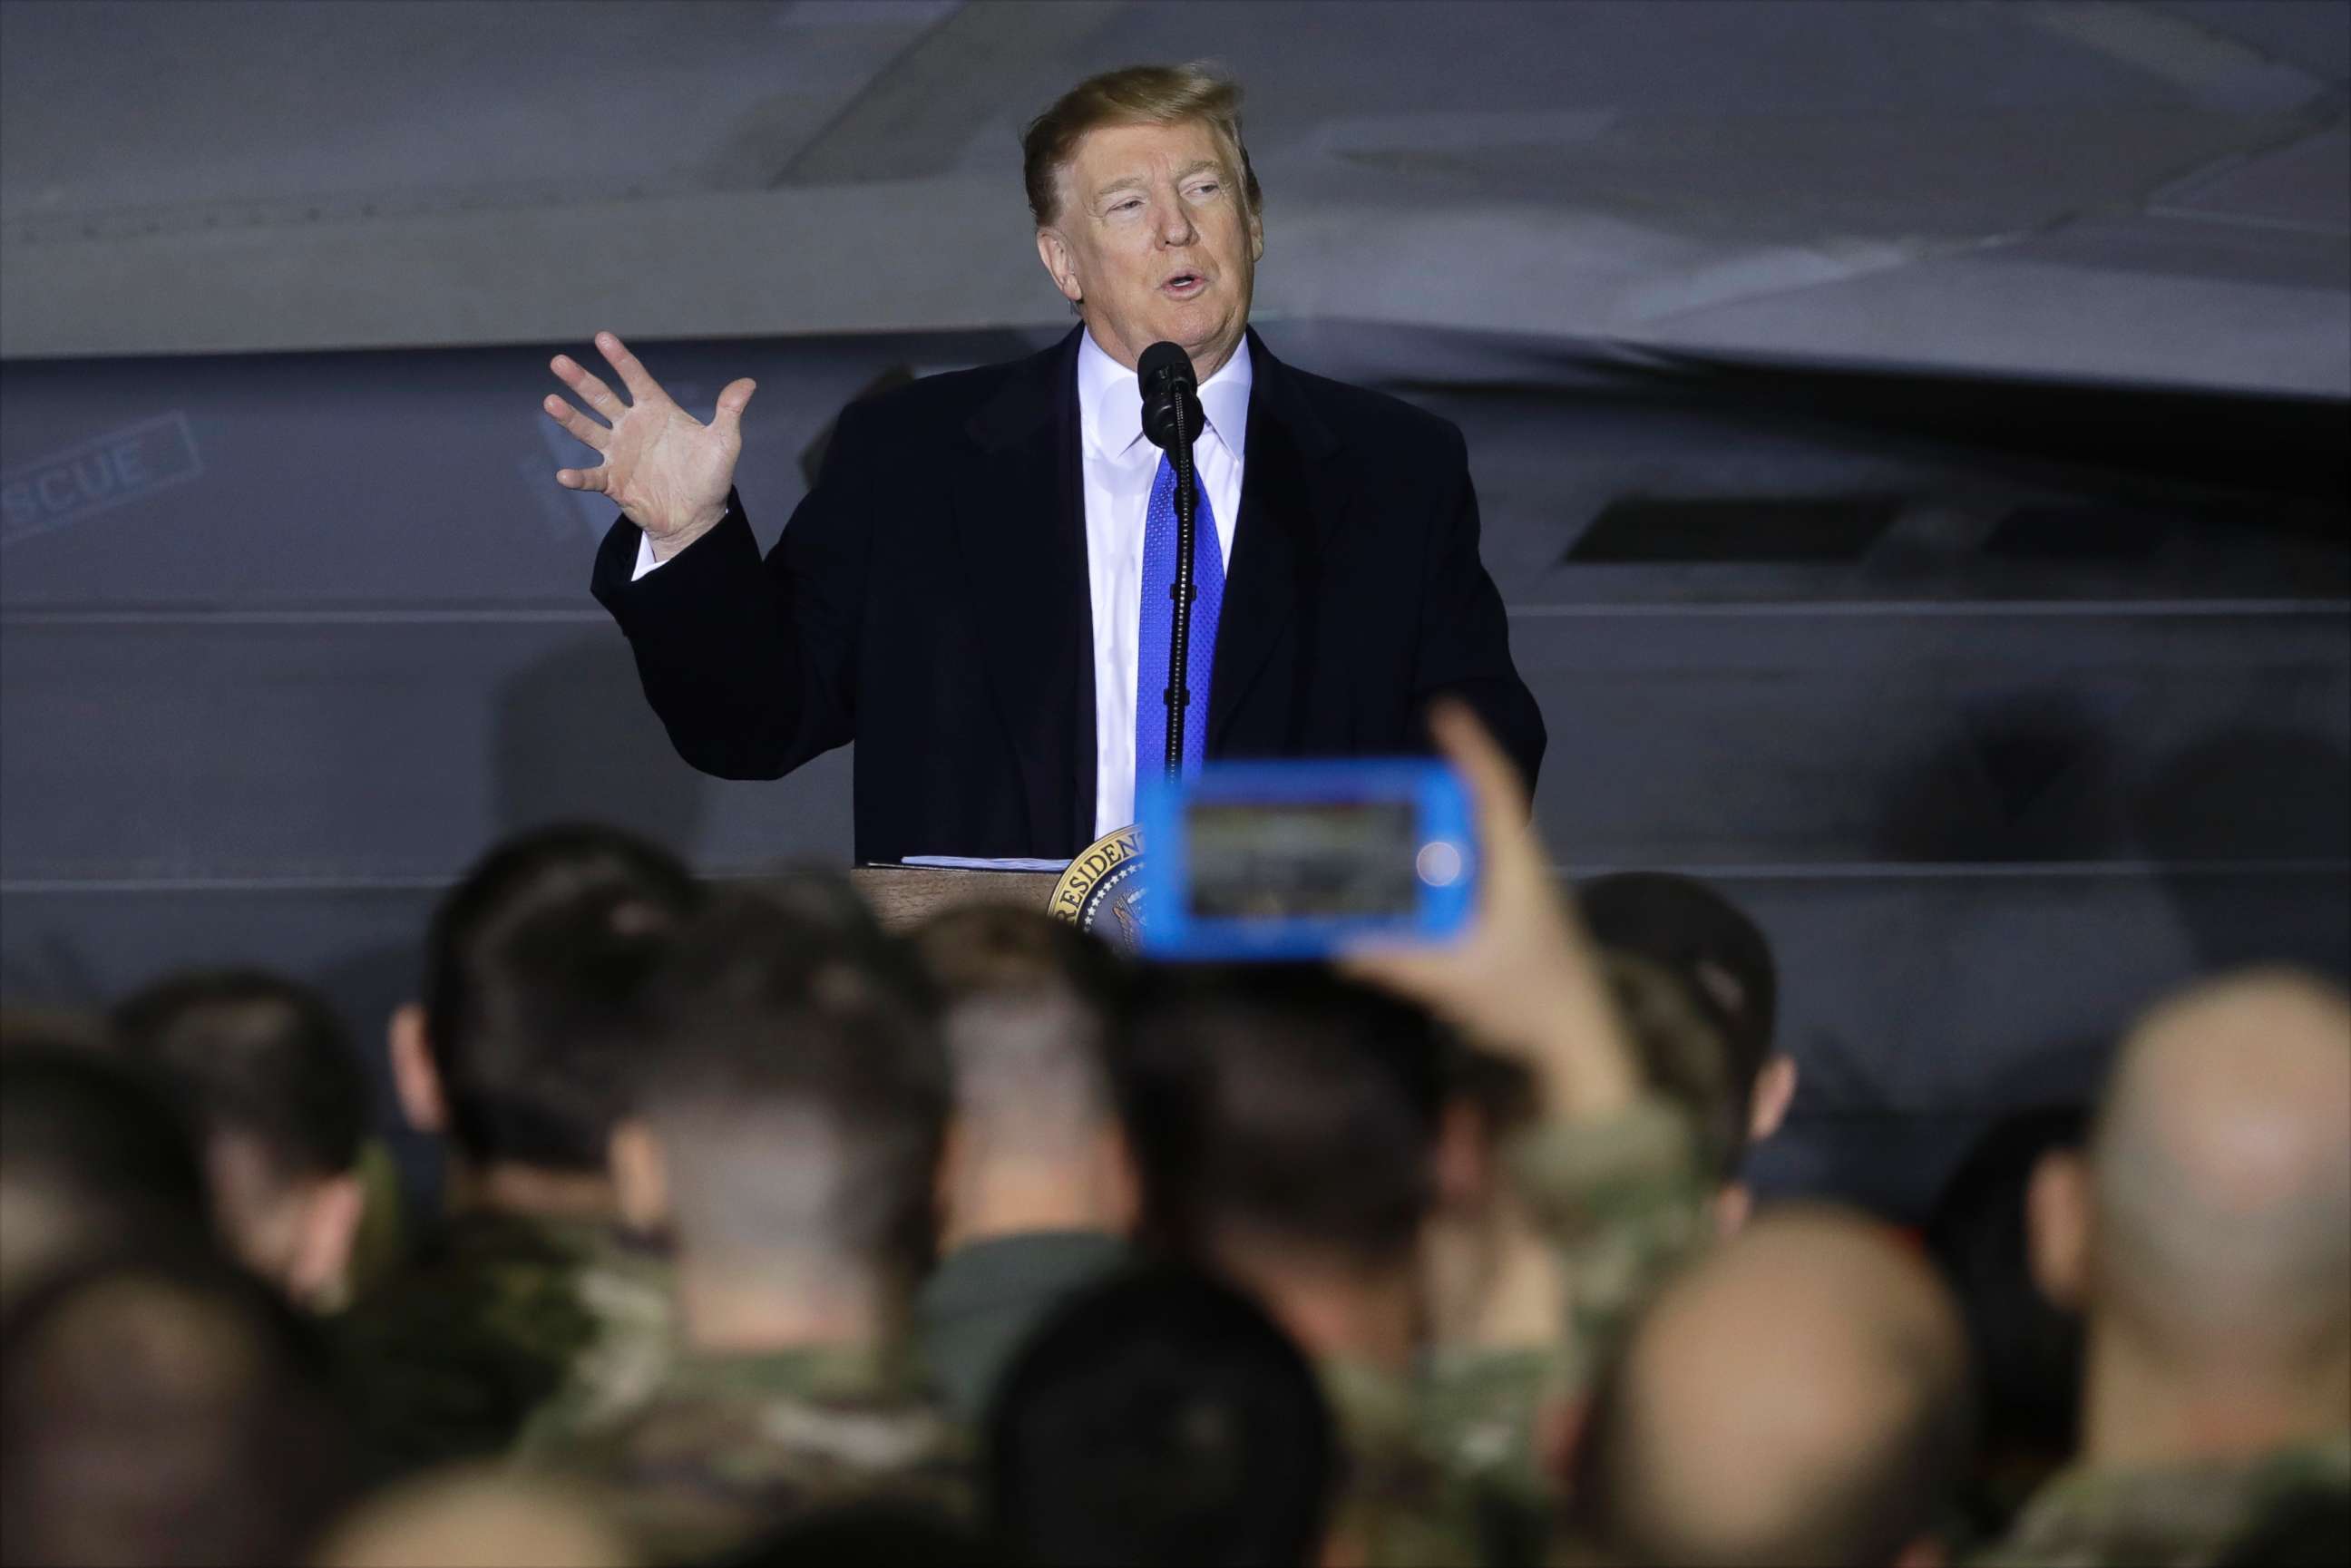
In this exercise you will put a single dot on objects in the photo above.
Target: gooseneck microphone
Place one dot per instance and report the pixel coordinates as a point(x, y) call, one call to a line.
point(1172, 416)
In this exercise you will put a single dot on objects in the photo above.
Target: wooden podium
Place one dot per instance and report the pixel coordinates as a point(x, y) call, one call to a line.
point(907, 895)
point(1100, 891)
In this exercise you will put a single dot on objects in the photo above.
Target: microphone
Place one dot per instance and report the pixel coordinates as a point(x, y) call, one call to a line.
point(1168, 389)
point(1172, 416)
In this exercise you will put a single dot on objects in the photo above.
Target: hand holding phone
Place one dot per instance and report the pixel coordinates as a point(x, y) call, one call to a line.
point(1295, 860)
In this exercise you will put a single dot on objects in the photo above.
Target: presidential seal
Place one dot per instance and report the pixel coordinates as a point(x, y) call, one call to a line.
point(1102, 893)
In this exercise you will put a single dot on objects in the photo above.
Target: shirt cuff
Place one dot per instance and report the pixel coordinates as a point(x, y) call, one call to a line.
point(646, 560)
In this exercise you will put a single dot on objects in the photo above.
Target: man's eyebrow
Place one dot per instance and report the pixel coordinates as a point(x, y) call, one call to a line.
point(1137, 183)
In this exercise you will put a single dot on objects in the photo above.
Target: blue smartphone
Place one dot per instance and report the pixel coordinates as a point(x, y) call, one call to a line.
point(1292, 860)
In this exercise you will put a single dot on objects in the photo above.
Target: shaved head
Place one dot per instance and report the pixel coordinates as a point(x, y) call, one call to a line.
point(1797, 1397)
point(2220, 1177)
point(164, 1409)
point(454, 1518)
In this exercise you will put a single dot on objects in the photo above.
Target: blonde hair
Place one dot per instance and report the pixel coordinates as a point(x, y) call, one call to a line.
point(1133, 95)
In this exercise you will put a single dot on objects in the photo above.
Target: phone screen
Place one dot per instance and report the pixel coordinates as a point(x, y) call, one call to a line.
point(1288, 860)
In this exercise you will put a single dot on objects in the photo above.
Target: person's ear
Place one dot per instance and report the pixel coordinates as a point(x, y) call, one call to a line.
point(1054, 252)
point(1733, 1207)
point(1460, 1156)
point(1562, 1424)
point(414, 1079)
point(1257, 237)
point(2057, 1226)
point(1115, 1178)
point(1775, 1090)
point(1923, 1552)
point(319, 1275)
point(1342, 1546)
point(640, 1177)
point(955, 1154)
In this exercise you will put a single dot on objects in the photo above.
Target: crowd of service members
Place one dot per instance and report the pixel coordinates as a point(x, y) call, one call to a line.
point(765, 1238)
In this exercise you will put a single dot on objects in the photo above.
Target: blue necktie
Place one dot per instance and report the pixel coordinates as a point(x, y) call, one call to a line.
point(1158, 616)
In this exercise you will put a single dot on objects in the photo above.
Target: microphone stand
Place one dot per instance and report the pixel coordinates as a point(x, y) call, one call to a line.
point(1184, 589)
point(1172, 416)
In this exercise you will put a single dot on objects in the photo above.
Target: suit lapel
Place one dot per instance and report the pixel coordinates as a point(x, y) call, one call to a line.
point(1290, 490)
point(1020, 522)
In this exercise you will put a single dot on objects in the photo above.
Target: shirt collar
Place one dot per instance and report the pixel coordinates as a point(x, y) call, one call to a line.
point(1110, 400)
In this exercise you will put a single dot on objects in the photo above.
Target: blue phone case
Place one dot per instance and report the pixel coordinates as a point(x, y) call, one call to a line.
point(1445, 833)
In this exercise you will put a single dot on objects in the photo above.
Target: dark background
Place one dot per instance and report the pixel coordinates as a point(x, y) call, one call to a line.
point(1912, 441)
point(1998, 735)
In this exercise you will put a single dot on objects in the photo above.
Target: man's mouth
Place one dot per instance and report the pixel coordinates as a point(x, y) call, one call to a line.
point(1183, 285)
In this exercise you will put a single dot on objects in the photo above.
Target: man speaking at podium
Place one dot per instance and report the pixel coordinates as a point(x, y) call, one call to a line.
point(976, 589)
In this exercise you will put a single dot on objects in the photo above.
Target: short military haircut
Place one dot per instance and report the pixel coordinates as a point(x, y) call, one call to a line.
point(1706, 940)
point(163, 1410)
point(92, 1153)
point(825, 895)
point(259, 1057)
point(1863, 1514)
point(1160, 1417)
point(489, 1511)
point(535, 964)
point(1798, 1395)
point(799, 1091)
point(1031, 1007)
point(994, 950)
point(1135, 94)
point(2208, 1251)
point(1284, 1104)
point(1682, 1056)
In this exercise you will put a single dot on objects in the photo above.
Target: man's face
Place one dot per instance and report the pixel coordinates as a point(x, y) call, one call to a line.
point(1152, 243)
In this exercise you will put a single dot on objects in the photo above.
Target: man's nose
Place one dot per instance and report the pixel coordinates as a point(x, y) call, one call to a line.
point(1175, 223)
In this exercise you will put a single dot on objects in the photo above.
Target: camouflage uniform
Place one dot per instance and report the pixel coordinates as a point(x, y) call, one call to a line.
point(1397, 1507)
point(1623, 1202)
point(382, 1241)
point(1481, 1416)
point(502, 1321)
point(1449, 1466)
point(981, 1303)
point(2169, 1517)
point(731, 1445)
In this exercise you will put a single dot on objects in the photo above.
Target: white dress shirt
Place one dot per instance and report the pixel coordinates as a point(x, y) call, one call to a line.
point(1120, 466)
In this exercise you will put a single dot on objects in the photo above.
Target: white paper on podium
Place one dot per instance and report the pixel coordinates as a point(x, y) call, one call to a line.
point(969, 862)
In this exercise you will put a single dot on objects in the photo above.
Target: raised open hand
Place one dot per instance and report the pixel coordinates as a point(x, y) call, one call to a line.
point(666, 469)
